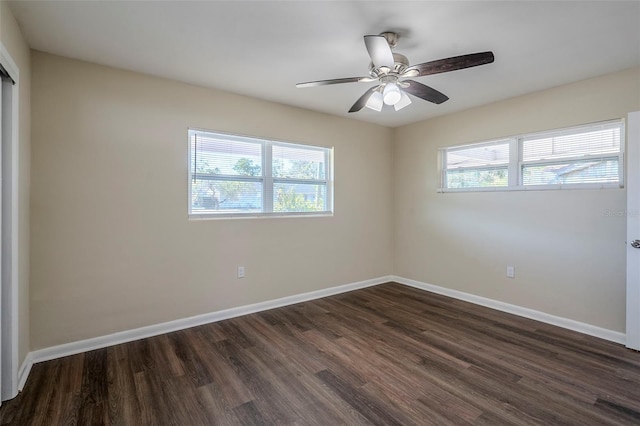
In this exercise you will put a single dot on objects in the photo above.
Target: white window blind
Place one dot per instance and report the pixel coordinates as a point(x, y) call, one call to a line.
point(578, 157)
point(240, 176)
point(587, 154)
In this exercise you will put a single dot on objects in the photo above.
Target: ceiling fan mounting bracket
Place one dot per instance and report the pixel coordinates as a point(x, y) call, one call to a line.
point(391, 37)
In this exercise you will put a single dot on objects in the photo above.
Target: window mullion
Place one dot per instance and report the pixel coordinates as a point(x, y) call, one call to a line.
point(267, 186)
point(621, 169)
point(191, 167)
point(328, 175)
point(514, 163)
point(443, 167)
point(621, 155)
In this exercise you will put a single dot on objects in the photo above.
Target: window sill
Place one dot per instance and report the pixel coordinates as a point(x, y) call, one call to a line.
point(275, 215)
point(536, 188)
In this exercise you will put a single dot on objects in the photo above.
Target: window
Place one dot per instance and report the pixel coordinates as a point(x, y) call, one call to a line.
point(236, 176)
point(588, 156)
point(478, 166)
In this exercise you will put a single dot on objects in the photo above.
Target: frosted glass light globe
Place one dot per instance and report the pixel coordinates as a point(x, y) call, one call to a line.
point(391, 94)
point(375, 101)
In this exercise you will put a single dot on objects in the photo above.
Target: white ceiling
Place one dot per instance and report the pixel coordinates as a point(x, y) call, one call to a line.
point(262, 49)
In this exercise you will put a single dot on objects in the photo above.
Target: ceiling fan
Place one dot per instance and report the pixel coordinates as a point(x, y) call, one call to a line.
point(392, 71)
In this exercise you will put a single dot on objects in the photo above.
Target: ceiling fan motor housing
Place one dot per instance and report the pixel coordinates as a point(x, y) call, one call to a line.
point(400, 64)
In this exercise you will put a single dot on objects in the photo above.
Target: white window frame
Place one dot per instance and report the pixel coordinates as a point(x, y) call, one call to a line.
point(516, 163)
point(267, 179)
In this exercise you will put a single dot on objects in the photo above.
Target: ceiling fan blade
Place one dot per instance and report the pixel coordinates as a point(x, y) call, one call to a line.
point(335, 81)
point(379, 51)
point(449, 64)
point(360, 103)
point(425, 92)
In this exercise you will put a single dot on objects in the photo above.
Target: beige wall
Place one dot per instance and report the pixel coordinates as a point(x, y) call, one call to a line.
point(12, 40)
point(112, 246)
point(568, 252)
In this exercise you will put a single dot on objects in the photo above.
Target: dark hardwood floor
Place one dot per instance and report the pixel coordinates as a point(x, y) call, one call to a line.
point(385, 355)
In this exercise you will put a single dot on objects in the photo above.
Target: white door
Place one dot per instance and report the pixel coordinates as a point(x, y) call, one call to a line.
point(633, 230)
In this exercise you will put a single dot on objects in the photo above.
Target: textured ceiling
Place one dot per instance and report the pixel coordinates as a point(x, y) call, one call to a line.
point(262, 49)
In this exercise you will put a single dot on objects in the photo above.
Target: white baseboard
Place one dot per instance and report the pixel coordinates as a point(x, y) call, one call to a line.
point(100, 342)
point(24, 371)
point(591, 330)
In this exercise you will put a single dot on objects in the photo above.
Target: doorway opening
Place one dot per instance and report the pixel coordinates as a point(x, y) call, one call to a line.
point(8, 226)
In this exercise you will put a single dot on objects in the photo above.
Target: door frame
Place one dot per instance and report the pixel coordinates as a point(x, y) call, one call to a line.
point(633, 230)
point(9, 331)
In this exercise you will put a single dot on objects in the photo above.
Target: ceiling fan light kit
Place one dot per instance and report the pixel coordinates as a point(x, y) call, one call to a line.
point(375, 101)
point(391, 94)
point(405, 100)
point(391, 71)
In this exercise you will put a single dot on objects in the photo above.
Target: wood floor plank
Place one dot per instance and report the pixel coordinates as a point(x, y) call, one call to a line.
point(276, 412)
point(369, 408)
point(152, 409)
point(223, 373)
point(387, 354)
point(217, 408)
point(249, 415)
point(186, 347)
point(619, 411)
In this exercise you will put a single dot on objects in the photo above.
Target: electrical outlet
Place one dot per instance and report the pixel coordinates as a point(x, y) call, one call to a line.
point(511, 272)
point(240, 271)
